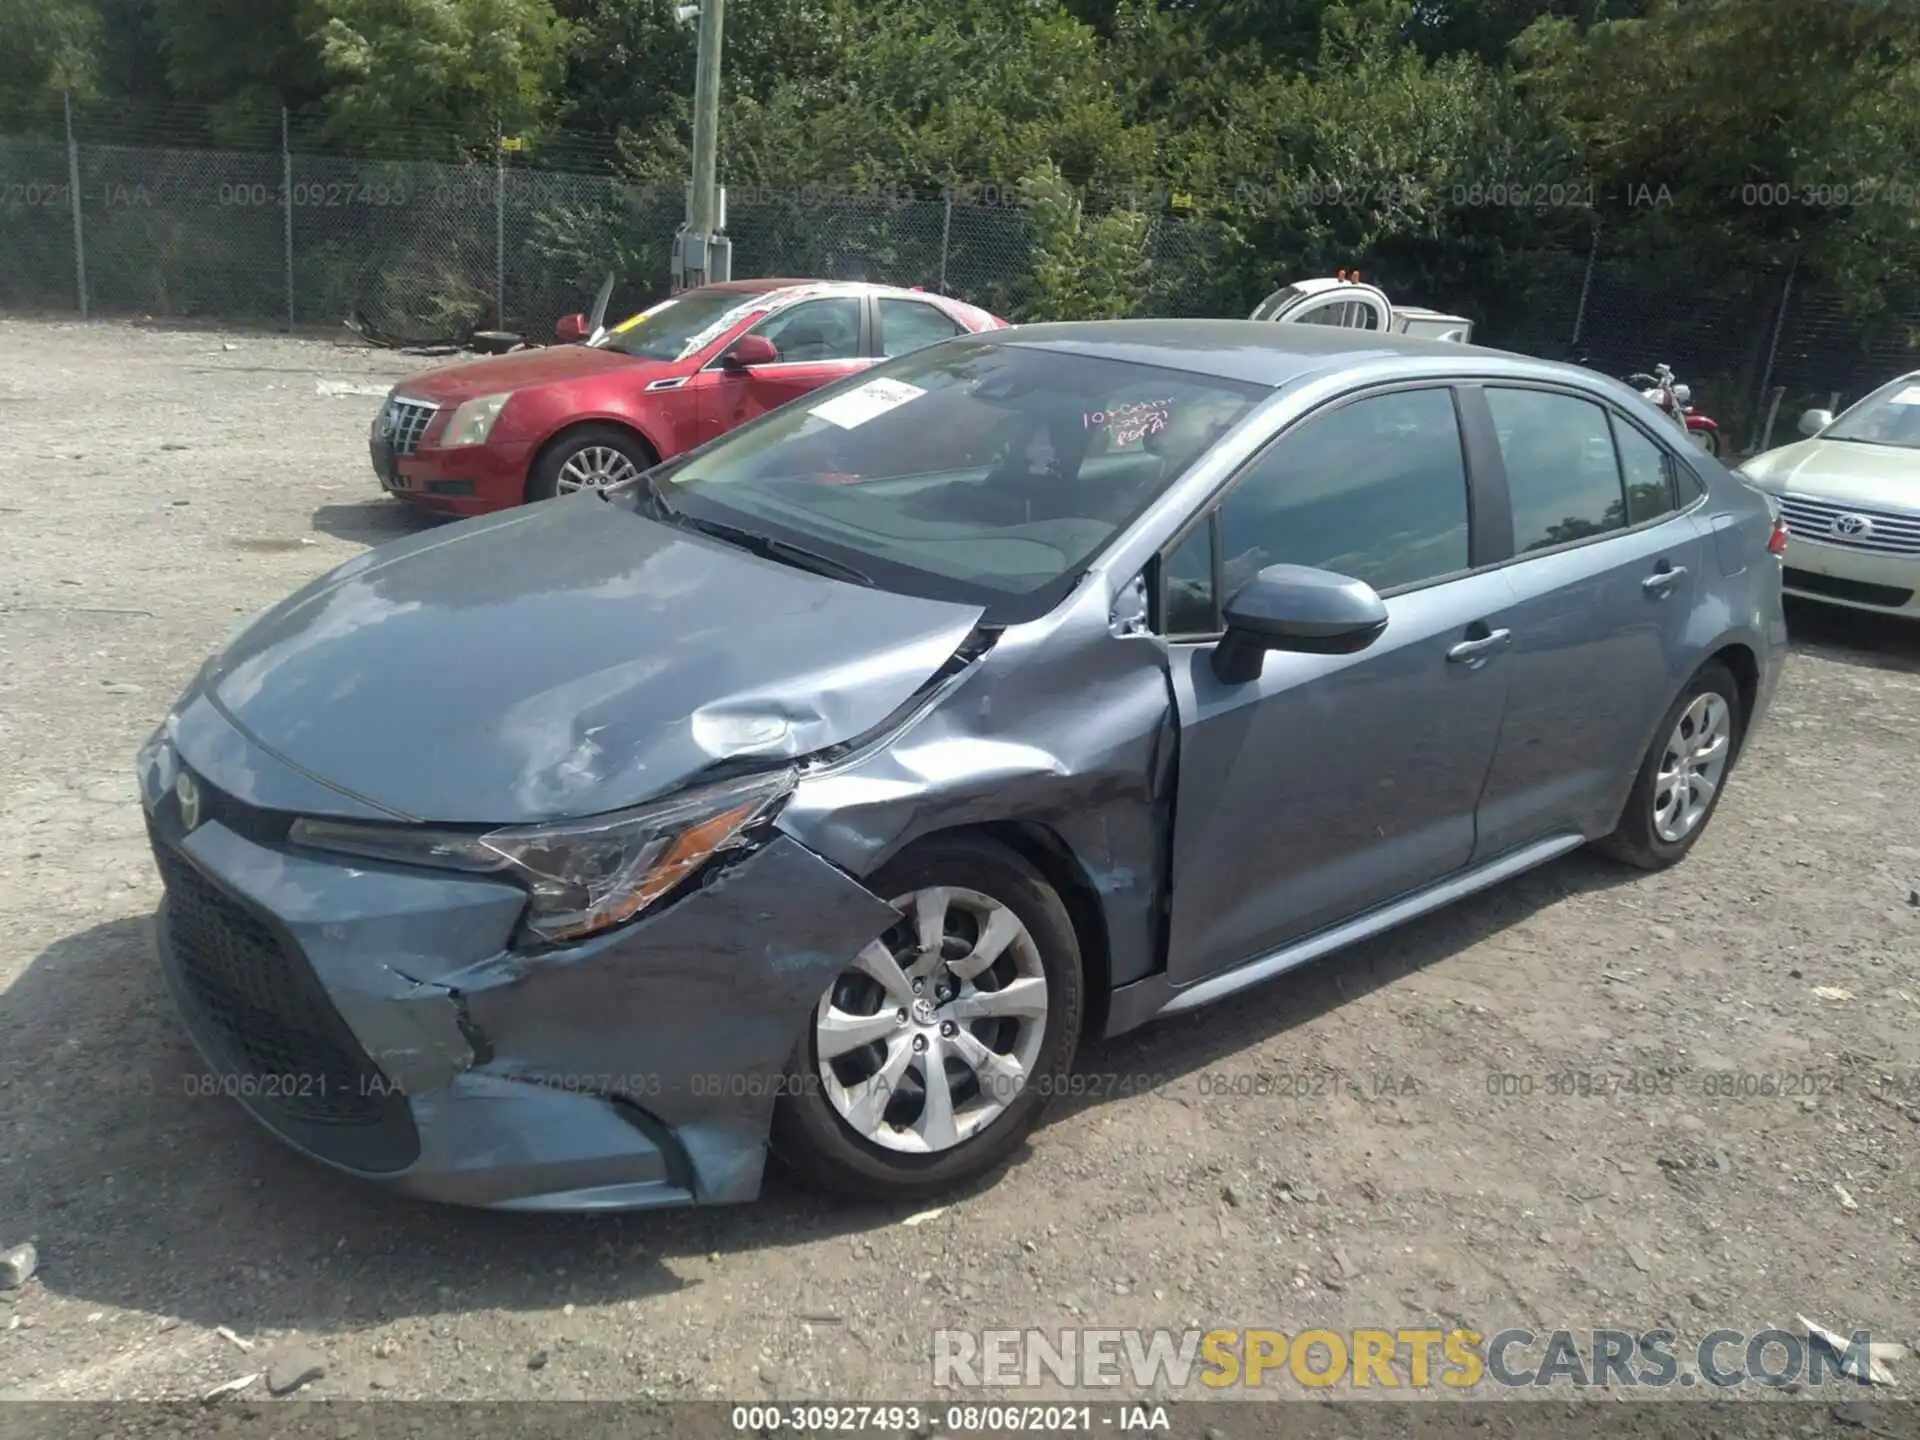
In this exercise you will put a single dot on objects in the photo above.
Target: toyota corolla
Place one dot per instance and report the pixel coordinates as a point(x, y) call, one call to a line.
point(816, 793)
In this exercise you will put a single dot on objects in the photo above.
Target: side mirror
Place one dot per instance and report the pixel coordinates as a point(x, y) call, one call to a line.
point(571, 329)
point(748, 351)
point(1812, 422)
point(1296, 608)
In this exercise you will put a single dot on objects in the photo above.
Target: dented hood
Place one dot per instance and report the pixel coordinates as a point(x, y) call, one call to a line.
point(565, 659)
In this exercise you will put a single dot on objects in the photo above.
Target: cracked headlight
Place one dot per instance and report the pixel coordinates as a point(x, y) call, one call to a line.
point(473, 421)
point(581, 876)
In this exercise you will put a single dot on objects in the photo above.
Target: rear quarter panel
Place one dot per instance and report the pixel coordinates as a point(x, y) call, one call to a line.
point(1739, 602)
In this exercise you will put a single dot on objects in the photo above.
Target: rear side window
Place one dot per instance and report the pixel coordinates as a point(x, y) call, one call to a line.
point(909, 324)
point(1649, 473)
point(1563, 479)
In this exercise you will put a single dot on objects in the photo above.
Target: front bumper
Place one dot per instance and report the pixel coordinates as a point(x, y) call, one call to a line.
point(472, 480)
point(1840, 575)
point(374, 1018)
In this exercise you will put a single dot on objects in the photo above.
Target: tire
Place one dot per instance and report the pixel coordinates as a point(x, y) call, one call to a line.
point(1639, 839)
point(594, 446)
point(812, 1133)
point(1709, 441)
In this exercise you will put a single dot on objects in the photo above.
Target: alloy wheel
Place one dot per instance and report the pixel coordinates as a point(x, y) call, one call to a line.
point(1692, 766)
point(932, 1032)
point(594, 467)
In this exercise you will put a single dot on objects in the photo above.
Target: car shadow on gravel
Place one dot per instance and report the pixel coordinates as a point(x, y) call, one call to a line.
point(1854, 637)
point(369, 522)
point(146, 1193)
point(1209, 1038)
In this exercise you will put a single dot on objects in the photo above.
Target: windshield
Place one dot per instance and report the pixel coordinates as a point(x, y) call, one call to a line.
point(676, 328)
point(1889, 416)
point(986, 473)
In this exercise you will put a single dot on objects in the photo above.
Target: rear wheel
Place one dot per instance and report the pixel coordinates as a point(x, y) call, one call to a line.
point(591, 457)
point(931, 1056)
point(1683, 774)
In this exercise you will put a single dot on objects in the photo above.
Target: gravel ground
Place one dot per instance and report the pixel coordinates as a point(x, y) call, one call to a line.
point(1330, 1150)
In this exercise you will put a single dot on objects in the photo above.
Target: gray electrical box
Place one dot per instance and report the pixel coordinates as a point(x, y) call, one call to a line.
point(698, 260)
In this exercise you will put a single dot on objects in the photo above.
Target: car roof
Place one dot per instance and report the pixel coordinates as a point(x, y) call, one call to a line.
point(1255, 350)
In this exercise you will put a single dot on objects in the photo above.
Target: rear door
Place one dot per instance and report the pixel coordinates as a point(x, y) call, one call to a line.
point(1606, 564)
point(819, 341)
point(1331, 783)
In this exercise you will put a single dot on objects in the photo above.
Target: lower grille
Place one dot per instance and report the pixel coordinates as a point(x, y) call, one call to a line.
point(289, 1055)
point(1858, 591)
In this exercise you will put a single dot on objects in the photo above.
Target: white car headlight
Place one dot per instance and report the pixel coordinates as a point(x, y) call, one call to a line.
point(473, 421)
point(582, 876)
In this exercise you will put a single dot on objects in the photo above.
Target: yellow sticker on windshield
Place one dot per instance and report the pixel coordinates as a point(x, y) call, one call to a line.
point(632, 320)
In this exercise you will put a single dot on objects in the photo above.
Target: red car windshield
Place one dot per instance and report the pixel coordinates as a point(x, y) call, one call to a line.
point(676, 328)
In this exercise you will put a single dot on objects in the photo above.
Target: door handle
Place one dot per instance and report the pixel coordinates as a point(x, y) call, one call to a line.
point(1477, 649)
point(1663, 580)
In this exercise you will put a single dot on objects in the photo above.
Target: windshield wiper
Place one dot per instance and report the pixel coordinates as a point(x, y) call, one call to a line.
point(770, 547)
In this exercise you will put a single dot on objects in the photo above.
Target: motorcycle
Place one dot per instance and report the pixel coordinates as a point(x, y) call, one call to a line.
point(1675, 399)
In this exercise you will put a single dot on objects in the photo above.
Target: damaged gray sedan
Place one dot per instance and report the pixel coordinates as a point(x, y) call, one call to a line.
point(818, 792)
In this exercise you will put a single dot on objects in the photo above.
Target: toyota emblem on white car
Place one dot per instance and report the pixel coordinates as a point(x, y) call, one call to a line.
point(1851, 527)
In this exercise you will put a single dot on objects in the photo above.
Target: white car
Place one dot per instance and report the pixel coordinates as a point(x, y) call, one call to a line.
point(1850, 495)
point(1345, 302)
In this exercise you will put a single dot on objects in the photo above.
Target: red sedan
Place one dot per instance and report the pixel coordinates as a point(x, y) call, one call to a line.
point(492, 433)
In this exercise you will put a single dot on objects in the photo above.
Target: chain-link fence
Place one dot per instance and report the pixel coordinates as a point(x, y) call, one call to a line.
point(430, 250)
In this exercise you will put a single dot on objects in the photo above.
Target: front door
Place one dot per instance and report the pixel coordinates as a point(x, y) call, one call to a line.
point(1604, 575)
point(1332, 783)
point(819, 342)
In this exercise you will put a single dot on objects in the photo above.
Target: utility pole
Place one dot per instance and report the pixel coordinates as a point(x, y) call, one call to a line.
point(701, 251)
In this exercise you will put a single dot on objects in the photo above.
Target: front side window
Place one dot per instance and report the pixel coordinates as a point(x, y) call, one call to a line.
point(1563, 480)
point(907, 325)
point(815, 331)
point(987, 473)
point(1375, 490)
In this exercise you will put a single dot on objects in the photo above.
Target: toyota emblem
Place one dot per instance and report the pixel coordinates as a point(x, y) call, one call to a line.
point(1851, 527)
point(188, 794)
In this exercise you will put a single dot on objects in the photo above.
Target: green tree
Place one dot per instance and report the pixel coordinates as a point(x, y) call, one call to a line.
point(459, 66)
point(1083, 267)
point(54, 47)
point(1751, 133)
point(244, 59)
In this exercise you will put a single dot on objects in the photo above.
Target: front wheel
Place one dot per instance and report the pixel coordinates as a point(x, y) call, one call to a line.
point(930, 1057)
point(1683, 774)
point(1707, 440)
point(591, 457)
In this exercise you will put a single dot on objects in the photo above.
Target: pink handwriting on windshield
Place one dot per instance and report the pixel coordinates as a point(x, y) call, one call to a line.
point(1128, 423)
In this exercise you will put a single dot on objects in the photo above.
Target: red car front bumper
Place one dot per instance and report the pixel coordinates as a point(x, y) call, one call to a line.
point(470, 480)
